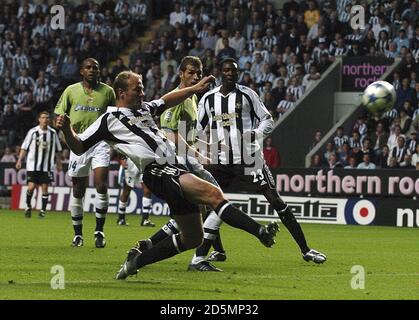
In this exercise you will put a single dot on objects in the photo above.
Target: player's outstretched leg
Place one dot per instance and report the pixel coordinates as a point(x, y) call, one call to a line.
point(289, 221)
point(190, 237)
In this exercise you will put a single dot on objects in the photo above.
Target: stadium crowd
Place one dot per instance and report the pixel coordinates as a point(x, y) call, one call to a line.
point(280, 53)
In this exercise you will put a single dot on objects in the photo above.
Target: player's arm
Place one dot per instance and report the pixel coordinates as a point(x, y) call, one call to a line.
point(64, 103)
point(96, 132)
point(173, 98)
point(22, 156)
point(262, 114)
point(24, 149)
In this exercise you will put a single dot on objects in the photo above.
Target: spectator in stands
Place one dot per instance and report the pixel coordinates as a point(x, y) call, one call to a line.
point(412, 142)
point(399, 151)
point(340, 138)
point(227, 51)
point(407, 162)
point(352, 163)
point(392, 163)
point(344, 154)
point(405, 121)
point(333, 162)
point(310, 78)
point(271, 154)
point(317, 137)
point(285, 105)
point(405, 93)
point(366, 162)
point(8, 156)
point(9, 124)
point(330, 148)
point(415, 156)
point(316, 161)
point(382, 158)
point(395, 132)
point(379, 139)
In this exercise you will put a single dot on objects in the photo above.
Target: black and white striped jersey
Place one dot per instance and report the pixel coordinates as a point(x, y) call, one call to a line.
point(230, 117)
point(133, 133)
point(41, 147)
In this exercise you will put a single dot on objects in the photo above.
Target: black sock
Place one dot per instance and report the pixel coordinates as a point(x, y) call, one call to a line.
point(100, 222)
point(163, 250)
point(205, 247)
point(44, 201)
point(78, 229)
point(294, 228)
point(29, 198)
point(167, 230)
point(237, 218)
point(217, 244)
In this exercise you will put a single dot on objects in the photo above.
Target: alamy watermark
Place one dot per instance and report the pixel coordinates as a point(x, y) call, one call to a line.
point(58, 18)
point(358, 280)
point(58, 280)
point(357, 17)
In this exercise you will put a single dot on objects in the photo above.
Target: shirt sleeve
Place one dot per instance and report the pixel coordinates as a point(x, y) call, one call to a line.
point(265, 119)
point(58, 146)
point(64, 103)
point(155, 106)
point(96, 132)
point(27, 141)
point(203, 118)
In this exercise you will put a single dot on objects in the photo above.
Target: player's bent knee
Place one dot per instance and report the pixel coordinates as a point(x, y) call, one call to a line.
point(216, 196)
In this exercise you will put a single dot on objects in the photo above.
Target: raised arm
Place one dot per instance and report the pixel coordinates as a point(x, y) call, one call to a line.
point(174, 98)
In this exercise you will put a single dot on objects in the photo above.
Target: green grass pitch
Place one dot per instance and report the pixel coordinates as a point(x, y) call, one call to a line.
point(29, 248)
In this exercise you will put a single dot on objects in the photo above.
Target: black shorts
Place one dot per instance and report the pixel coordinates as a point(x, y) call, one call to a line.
point(39, 177)
point(163, 181)
point(249, 178)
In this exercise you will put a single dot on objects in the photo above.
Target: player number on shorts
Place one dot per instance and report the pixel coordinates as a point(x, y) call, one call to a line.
point(257, 175)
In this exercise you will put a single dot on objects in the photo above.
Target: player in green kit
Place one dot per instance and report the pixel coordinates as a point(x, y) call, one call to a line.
point(179, 125)
point(84, 102)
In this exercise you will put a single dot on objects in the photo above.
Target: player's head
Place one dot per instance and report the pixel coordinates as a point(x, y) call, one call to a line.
point(129, 89)
point(229, 72)
point(43, 118)
point(190, 71)
point(89, 70)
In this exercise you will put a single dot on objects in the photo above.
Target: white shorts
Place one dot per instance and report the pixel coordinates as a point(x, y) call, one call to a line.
point(96, 157)
point(130, 175)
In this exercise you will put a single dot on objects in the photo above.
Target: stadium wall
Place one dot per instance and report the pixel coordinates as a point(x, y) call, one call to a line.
point(293, 133)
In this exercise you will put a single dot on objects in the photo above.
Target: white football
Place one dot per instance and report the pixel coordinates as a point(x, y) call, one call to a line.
point(379, 97)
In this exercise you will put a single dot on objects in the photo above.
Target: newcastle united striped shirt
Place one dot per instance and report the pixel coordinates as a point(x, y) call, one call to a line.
point(41, 147)
point(231, 116)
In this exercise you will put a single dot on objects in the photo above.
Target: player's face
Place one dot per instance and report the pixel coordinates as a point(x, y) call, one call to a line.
point(190, 76)
point(135, 93)
point(90, 71)
point(229, 73)
point(43, 120)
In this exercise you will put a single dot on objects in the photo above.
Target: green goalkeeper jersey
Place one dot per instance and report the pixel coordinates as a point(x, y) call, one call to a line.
point(182, 118)
point(84, 108)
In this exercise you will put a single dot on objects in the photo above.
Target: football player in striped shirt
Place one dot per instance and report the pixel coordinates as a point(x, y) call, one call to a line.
point(235, 114)
point(130, 129)
point(43, 149)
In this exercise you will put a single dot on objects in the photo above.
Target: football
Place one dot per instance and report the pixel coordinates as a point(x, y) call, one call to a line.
point(379, 97)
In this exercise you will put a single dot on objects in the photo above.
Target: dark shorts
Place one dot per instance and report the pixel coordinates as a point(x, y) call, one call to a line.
point(163, 181)
point(39, 177)
point(258, 179)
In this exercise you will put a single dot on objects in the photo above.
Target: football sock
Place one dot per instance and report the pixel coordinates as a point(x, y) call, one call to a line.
point(168, 229)
point(101, 210)
point(29, 198)
point(164, 249)
point(237, 218)
point(203, 249)
point(44, 201)
point(294, 228)
point(122, 206)
point(217, 244)
point(76, 209)
point(147, 207)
